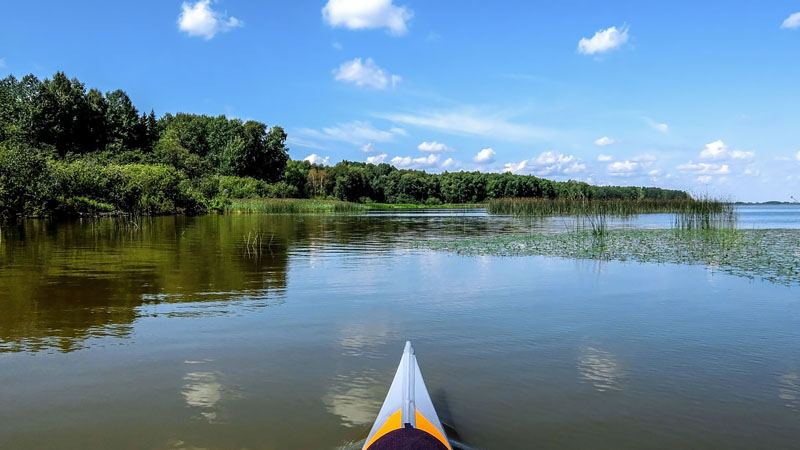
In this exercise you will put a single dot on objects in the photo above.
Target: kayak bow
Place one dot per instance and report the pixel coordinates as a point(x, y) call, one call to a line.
point(407, 419)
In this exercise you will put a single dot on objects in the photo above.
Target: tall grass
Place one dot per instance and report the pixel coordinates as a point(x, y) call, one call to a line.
point(705, 215)
point(293, 206)
point(582, 206)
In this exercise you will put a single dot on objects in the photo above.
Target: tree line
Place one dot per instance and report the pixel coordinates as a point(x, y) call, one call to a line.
point(67, 150)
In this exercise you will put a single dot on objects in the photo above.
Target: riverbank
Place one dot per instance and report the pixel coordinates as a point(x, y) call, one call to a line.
point(772, 254)
point(312, 206)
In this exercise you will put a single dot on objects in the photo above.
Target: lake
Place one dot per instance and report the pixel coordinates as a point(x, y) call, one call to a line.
point(173, 333)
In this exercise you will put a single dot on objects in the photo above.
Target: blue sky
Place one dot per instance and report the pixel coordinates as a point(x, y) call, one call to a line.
point(700, 96)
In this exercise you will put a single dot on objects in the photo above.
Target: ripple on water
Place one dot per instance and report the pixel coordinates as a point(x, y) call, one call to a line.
point(789, 390)
point(600, 368)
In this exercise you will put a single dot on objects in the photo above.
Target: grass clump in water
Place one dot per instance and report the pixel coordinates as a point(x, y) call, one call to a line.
point(588, 207)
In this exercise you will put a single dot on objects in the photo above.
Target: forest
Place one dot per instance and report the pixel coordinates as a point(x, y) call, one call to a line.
point(69, 151)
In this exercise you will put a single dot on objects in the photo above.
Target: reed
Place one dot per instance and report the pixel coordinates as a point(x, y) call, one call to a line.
point(255, 242)
point(591, 207)
point(293, 206)
point(707, 216)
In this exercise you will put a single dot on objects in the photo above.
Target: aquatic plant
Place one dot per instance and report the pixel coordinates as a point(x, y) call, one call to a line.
point(748, 253)
point(293, 206)
point(614, 207)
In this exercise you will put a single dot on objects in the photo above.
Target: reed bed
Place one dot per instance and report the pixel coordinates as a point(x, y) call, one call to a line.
point(589, 207)
point(293, 206)
point(707, 215)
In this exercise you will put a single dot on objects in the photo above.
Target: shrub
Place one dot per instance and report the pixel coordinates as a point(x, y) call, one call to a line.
point(26, 186)
point(134, 188)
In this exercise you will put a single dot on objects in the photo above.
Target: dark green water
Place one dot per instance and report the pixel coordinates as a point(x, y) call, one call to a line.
point(172, 336)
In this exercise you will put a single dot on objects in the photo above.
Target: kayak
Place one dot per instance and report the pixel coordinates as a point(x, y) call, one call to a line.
point(407, 419)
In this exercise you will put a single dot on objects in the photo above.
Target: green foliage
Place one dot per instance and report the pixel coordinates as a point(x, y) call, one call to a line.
point(26, 187)
point(72, 151)
point(136, 188)
point(83, 205)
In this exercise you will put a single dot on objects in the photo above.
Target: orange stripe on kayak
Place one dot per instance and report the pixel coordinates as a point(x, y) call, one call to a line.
point(424, 425)
point(394, 422)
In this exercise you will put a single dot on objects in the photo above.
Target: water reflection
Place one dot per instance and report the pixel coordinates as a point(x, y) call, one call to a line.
point(789, 389)
point(202, 390)
point(600, 368)
point(355, 398)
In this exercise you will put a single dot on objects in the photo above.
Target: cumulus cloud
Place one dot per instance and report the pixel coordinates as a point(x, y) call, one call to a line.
point(199, 19)
point(368, 148)
point(604, 158)
point(364, 14)
point(793, 21)
point(705, 179)
point(316, 159)
point(797, 156)
point(662, 127)
point(717, 150)
point(622, 168)
point(469, 121)
point(433, 147)
point(547, 163)
point(705, 168)
point(714, 150)
point(449, 163)
point(357, 133)
point(407, 162)
point(604, 41)
point(366, 74)
point(603, 141)
point(485, 156)
point(377, 159)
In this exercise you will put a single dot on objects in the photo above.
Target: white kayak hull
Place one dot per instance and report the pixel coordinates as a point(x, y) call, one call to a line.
point(407, 410)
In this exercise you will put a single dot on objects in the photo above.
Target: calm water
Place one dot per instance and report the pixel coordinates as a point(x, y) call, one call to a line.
point(172, 336)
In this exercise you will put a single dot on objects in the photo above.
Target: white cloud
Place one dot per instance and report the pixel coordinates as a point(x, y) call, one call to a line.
point(291, 140)
point(717, 150)
point(2, 63)
point(547, 163)
point(377, 159)
point(356, 133)
point(449, 163)
point(714, 150)
point(366, 74)
point(368, 148)
point(316, 159)
point(705, 179)
point(705, 168)
point(738, 154)
point(364, 14)
point(662, 127)
point(470, 122)
point(797, 156)
point(654, 172)
point(604, 41)
point(407, 162)
point(604, 158)
point(792, 21)
point(603, 141)
point(485, 156)
point(622, 168)
point(433, 147)
point(199, 19)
